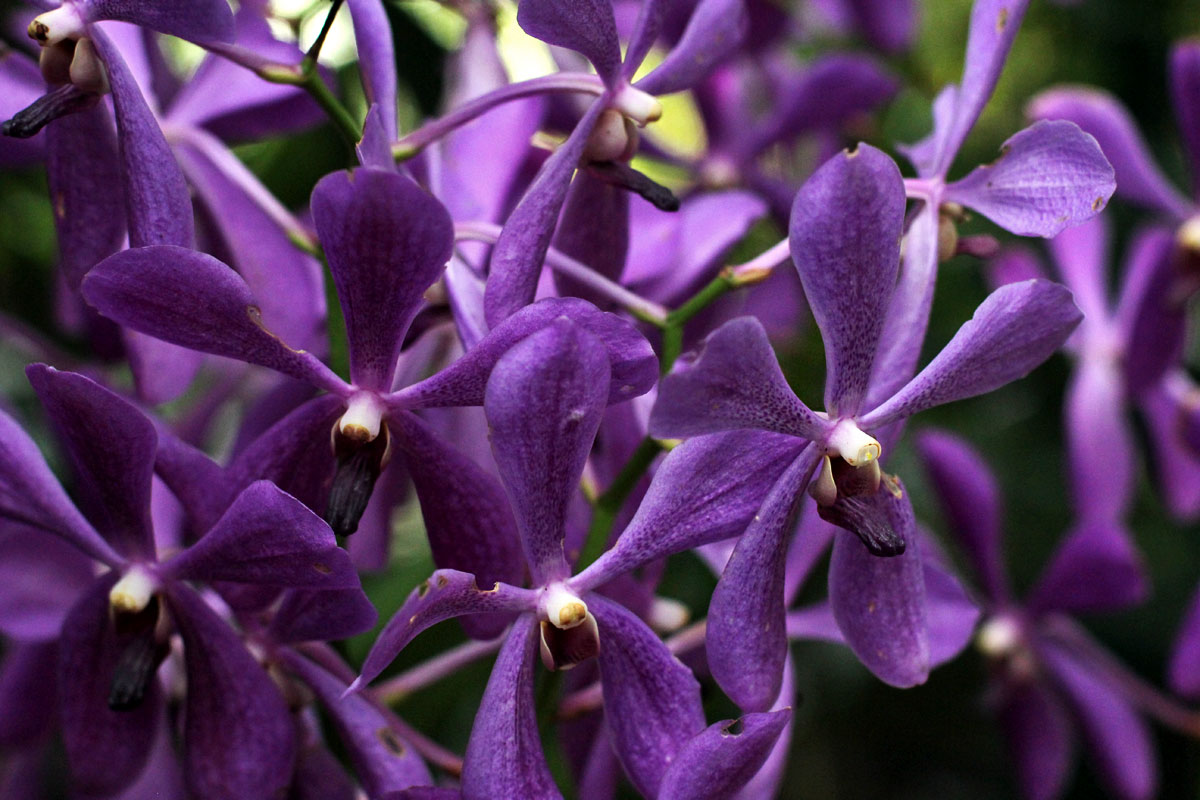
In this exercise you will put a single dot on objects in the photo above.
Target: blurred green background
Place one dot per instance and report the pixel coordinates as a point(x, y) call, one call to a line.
point(854, 737)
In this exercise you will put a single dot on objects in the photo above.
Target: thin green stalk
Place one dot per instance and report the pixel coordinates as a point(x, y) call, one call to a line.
point(608, 505)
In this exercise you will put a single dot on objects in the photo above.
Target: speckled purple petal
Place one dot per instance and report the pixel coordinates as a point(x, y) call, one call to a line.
point(106, 749)
point(714, 31)
point(586, 26)
point(1100, 114)
point(448, 593)
point(517, 257)
point(707, 489)
point(746, 639)
point(1013, 331)
point(970, 502)
point(197, 20)
point(1039, 737)
point(193, 300)
point(733, 382)
point(1095, 568)
point(634, 367)
point(1048, 177)
point(651, 700)
point(386, 240)
point(504, 755)
point(1119, 742)
point(383, 761)
point(722, 758)
point(845, 240)
point(468, 519)
point(112, 447)
point(544, 403)
point(84, 177)
point(268, 537)
point(239, 739)
point(880, 604)
point(30, 494)
point(376, 59)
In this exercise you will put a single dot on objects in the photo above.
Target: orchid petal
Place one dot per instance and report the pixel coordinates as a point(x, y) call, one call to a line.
point(714, 31)
point(586, 26)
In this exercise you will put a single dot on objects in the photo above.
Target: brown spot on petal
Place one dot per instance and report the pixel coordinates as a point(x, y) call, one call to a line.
point(423, 589)
point(1002, 20)
point(1098, 204)
point(391, 741)
point(495, 588)
point(38, 31)
point(324, 569)
point(255, 315)
point(442, 580)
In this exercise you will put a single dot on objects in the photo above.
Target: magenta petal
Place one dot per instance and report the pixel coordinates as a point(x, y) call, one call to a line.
point(1101, 115)
point(238, 733)
point(1014, 330)
point(1095, 568)
point(1100, 443)
point(746, 639)
point(585, 26)
point(970, 501)
point(634, 367)
point(386, 240)
point(733, 382)
point(1040, 740)
point(543, 403)
point(1183, 671)
point(880, 604)
point(268, 537)
point(722, 758)
point(197, 20)
point(845, 240)
point(651, 700)
point(376, 59)
point(707, 489)
point(112, 447)
point(383, 761)
point(447, 594)
point(307, 616)
point(106, 749)
point(1119, 742)
point(1048, 177)
point(193, 300)
point(519, 252)
point(30, 494)
point(714, 31)
point(504, 755)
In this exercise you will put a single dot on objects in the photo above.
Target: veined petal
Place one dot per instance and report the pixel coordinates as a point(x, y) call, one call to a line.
point(521, 248)
point(112, 447)
point(382, 760)
point(733, 382)
point(31, 495)
point(376, 59)
point(268, 537)
point(238, 733)
point(970, 502)
point(586, 26)
point(651, 700)
point(1100, 114)
point(448, 593)
point(197, 20)
point(386, 240)
point(746, 639)
point(722, 758)
point(880, 603)
point(633, 365)
point(193, 300)
point(504, 755)
point(1014, 330)
point(845, 240)
point(707, 489)
point(1048, 177)
point(714, 31)
point(1095, 568)
point(544, 403)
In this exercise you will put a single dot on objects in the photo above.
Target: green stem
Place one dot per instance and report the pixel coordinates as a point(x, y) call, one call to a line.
point(608, 505)
point(342, 119)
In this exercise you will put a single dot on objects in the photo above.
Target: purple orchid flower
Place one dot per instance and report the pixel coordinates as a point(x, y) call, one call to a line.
point(844, 238)
point(1052, 682)
point(1160, 330)
point(544, 402)
point(238, 731)
point(1048, 177)
point(605, 136)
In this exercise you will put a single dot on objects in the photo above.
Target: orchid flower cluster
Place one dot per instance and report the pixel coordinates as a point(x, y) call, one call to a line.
point(524, 310)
